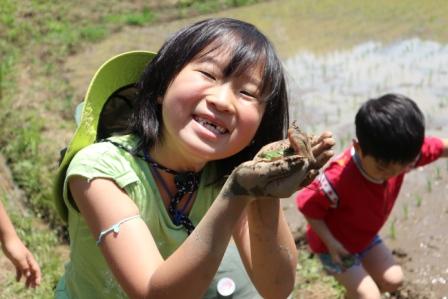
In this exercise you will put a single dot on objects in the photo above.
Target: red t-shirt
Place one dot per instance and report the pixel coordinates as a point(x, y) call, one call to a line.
point(353, 207)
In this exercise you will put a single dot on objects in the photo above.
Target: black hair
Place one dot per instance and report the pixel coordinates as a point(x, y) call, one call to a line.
point(390, 128)
point(247, 47)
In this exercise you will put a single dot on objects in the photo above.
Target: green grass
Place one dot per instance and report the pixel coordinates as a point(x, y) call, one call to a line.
point(312, 281)
point(133, 18)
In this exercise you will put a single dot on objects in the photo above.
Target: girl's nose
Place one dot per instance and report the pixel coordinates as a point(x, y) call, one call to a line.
point(223, 98)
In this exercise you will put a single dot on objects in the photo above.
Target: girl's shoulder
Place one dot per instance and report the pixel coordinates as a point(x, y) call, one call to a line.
point(108, 155)
point(113, 147)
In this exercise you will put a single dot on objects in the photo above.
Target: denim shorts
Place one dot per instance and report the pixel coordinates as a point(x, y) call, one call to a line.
point(351, 261)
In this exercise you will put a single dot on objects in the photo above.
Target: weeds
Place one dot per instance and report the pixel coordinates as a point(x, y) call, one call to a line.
point(312, 279)
point(132, 18)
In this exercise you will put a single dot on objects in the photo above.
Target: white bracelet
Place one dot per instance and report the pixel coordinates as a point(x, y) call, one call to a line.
point(114, 228)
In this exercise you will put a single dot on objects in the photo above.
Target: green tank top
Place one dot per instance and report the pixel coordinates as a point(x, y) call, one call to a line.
point(87, 274)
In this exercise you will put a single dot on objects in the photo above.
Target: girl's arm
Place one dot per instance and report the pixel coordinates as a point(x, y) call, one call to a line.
point(132, 254)
point(267, 248)
point(264, 240)
point(133, 257)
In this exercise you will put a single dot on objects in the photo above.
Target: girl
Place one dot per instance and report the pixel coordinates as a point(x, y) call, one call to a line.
point(149, 214)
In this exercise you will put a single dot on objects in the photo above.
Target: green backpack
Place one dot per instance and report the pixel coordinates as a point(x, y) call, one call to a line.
point(104, 112)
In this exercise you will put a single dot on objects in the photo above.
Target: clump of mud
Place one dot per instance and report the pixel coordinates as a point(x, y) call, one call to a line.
point(410, 291)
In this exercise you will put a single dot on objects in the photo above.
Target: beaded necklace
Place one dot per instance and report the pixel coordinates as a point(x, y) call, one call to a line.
point(185, 182)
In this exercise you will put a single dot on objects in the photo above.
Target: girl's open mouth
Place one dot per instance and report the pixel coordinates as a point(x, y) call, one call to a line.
point(215, 128)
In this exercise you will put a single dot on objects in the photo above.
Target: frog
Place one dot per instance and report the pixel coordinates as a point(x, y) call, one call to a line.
point(298, 142)
point(278, 169)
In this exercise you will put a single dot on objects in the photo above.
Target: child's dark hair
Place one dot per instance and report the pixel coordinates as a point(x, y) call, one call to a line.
point(390, 128)
point(247, 47)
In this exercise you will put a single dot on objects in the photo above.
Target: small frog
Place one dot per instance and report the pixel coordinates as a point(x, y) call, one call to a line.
point(298, 143)
point(279, 169)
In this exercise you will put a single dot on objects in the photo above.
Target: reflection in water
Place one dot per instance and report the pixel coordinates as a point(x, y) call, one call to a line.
point(327, 90)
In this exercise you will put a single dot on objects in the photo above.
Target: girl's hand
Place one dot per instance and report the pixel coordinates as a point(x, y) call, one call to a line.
point(281, 168)
point(23, 261)
point(278, 178)
point(322, 151)
point(322, 148)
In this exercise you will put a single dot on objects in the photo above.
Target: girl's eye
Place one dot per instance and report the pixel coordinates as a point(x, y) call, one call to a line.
point(249, 94)
point(207, 74)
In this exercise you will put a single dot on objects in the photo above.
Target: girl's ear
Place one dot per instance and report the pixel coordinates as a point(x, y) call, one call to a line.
point(159, 100)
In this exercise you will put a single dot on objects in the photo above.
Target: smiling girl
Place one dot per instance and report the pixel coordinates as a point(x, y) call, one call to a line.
point(161, 212)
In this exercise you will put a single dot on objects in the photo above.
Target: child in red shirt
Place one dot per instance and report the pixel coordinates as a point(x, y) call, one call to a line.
point(350, 202)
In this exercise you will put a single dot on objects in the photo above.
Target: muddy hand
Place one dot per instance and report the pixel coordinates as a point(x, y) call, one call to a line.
point(322, 148)
point(279, 178)
point(297, 143)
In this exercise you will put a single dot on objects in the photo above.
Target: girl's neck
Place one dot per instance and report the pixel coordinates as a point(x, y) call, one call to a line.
point(174, 159)
point(177, 189)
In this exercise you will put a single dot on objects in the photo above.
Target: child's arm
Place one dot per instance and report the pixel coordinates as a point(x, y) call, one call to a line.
point(136, 262)
point(17, 253)
point(267, 248)
point(132, 254)
point(445, 148)
point(264, 240)
point(335, 248)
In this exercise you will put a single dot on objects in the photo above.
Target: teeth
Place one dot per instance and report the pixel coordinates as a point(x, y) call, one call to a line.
point(211, 126)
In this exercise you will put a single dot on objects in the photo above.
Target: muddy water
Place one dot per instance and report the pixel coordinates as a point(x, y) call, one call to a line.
point(338, 54)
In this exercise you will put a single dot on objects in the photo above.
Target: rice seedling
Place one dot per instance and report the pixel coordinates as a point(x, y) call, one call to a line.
point(405, 211)
point(418, 200)
point(393, 229)
point(428, 185)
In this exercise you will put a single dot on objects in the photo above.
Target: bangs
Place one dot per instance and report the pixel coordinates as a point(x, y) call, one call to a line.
point(246, 57)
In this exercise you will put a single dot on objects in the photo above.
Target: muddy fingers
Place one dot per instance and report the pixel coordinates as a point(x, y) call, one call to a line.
point(279, 178)
point(283, 167)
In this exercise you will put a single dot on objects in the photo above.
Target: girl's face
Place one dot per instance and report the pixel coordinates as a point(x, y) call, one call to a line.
point(207, 116)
